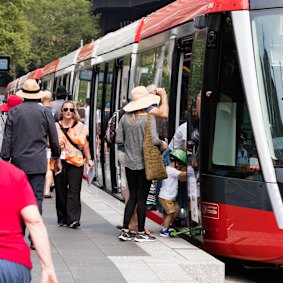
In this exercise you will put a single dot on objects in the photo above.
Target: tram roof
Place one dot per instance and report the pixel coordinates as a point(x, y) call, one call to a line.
point(51, 67)
point(120, 38)
point(182, 11)
point(68, 60)
point(86, 51)
point(36, 74)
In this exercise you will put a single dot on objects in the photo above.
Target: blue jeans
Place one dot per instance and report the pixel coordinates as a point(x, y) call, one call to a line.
point(12, 272)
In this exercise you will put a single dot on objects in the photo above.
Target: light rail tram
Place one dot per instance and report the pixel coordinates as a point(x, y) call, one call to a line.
point(231, 50)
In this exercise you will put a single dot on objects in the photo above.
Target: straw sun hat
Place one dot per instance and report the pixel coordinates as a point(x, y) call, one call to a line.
point(141, 99)
point(31, 90)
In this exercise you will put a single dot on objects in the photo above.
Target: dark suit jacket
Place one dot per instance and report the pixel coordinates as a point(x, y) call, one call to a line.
point(25, 138)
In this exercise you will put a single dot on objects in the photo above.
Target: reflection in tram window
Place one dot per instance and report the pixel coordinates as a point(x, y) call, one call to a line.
point(268, 44)
point(155, 68)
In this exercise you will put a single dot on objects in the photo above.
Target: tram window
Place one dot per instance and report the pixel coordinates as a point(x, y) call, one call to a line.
point(86, 75)
point(83, 90)
point(124, 80)
point(154, 67)
point(267, 28)
point(65, 81)
point(224, 145)
point(108, 94)
point(55, 84)
point(234, 152)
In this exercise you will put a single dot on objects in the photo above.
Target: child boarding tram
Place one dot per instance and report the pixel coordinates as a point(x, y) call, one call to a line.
point(232, 51)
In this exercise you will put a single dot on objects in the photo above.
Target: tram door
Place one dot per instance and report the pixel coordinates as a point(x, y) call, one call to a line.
point(102, 112)
point(106, 114)
point(192, 51)
point(107, 87)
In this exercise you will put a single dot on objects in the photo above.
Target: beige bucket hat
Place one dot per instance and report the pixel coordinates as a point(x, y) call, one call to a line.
point(31, 90)
point(141, 99)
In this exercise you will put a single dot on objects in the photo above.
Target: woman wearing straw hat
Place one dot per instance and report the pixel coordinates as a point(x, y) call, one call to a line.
point(130, 133)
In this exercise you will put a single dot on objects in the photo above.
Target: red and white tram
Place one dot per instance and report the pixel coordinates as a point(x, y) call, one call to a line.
point(232, 52)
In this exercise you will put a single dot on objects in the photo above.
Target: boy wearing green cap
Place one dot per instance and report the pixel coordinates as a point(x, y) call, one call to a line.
point(176, 171)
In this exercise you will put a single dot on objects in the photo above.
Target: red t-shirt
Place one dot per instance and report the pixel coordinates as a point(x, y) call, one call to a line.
point(15, 194)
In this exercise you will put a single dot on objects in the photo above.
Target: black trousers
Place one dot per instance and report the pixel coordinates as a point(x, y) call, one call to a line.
point(68, 193)
point(37, 182)
point(139, 188)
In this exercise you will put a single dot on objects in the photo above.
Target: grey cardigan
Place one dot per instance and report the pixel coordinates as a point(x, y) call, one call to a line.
point(130, 133)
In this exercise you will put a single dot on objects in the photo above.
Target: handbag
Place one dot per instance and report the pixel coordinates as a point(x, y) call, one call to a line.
point(153, 162)
point(73, 159)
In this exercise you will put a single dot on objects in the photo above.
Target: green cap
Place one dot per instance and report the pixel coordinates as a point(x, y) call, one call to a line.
point(180, 155)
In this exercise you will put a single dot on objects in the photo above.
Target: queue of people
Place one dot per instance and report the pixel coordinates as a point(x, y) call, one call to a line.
point(49, 140)
point(27, 129)
point(38, 133)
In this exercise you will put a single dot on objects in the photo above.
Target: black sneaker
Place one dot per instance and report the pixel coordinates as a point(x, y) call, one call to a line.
point(125, 236)
point(75, 225)
point(143, 237)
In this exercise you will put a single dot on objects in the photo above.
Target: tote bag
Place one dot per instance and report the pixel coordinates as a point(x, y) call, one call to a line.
point(154, 167)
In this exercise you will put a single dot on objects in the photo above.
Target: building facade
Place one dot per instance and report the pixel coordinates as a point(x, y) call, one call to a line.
point(118, 13)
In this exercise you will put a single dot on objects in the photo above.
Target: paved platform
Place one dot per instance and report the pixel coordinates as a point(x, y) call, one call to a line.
point(93, 253)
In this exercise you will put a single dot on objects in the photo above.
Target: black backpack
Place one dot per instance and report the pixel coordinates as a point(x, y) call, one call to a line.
point(112, 126)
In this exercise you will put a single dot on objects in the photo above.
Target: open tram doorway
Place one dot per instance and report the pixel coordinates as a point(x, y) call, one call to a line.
point(191, 61)
point(110, 91)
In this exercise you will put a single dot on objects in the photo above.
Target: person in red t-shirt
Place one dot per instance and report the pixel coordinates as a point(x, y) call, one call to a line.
point(18, 205)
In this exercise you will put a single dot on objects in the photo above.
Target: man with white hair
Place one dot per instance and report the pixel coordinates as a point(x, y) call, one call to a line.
point(46, 101)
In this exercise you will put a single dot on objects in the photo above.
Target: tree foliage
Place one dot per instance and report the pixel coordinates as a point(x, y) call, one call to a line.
point(35, 33)
point(59, 27)
point(14, 32)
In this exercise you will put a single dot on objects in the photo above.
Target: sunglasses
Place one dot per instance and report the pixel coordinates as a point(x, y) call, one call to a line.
point(70, 109)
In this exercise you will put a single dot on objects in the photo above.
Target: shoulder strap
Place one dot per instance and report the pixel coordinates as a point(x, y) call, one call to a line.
point(117, 120)
point(68, 137)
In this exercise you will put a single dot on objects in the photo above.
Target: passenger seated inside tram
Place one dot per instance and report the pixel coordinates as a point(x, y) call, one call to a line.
point(242, 154)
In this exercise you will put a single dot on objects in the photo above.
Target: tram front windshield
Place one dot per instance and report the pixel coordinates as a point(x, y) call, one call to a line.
point(267, 30)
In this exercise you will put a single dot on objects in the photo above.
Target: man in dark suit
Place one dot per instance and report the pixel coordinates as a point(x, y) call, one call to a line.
point(28, 127)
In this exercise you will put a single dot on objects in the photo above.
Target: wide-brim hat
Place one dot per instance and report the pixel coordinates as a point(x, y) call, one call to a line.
point(13, 100)
point(141, 99)
point(31, 90)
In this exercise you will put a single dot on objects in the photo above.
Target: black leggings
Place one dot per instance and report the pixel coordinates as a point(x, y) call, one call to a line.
point(139, 187)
